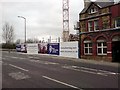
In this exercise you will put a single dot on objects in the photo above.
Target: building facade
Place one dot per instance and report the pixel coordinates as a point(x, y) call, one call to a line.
point(73, 37)
point(100, 31)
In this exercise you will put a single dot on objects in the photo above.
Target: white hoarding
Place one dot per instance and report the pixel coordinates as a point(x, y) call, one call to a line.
point(32, 48)
point(69, 49)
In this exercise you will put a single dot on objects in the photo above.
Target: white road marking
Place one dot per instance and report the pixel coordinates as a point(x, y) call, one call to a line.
point(89, 69)
point(44, 62)
point(86, 71)
point(18, 58)
point(75, 67)
point(32, 57)
point(18, 75)
point(19, 67)
point(108, 72)
point(60, 82)
point(15, 57)
point(94, 73)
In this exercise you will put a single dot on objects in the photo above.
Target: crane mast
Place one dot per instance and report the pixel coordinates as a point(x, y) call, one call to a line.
point(65, 20)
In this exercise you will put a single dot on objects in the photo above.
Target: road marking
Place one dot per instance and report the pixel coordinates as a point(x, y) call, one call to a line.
point(44, 62)
point(60, 82)
point(94, 72)
point(31, 57)
point(89, 69)
point(15, 57)
point(86, 71)
point(108, 72)
point(18, 58)
point(18, 75)
point(19, 67)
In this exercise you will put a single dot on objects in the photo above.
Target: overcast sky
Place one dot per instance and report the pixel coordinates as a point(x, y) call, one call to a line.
point(44, 17)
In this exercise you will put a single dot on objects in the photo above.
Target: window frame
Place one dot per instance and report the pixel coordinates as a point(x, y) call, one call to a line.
point(88, 48)
point(92, 10)
point(116, 22)
point(96, 25)
point(102, 47)
point(90, 27)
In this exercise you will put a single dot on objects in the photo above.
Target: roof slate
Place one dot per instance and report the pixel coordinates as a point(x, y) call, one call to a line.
point(99, 4)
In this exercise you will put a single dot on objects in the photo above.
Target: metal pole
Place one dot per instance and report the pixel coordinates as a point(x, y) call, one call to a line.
point(25, 30)
point(24, 26)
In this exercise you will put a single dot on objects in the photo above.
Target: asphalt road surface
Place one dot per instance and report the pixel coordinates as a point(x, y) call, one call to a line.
point(41, 71)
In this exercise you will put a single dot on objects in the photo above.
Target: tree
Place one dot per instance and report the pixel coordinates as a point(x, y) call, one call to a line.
point(8, 33)
point(18, 41)
point(34, 40)
point(30, 41)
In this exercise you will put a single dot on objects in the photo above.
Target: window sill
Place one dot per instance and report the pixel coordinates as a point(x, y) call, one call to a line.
point(93, 12)
point(96, 30)
point(101, 54)
point(87, 54)
point(117, 27)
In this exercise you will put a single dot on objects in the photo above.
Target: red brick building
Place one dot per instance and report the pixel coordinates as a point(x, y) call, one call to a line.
point(100, 31)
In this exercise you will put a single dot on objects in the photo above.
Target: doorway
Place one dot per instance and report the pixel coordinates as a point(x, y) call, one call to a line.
point(116, 51)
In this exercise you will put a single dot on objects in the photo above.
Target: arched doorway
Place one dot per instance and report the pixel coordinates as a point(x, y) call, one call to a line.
point(116, 48)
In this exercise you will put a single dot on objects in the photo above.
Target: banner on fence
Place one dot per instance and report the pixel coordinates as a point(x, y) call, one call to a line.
point(32, 48)
point(53, 48)
point(69, 49)
point(42, 48)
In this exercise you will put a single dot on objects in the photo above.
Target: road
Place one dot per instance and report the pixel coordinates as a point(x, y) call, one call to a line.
point(41, 71)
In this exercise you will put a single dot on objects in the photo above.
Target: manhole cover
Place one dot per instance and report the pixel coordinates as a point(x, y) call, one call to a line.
point(18, 75)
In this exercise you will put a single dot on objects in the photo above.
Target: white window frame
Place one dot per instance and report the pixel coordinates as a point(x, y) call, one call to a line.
point(89, 27)
point(116, 23)
point(89, 47)
point(95, 25)
point(92, 10)
point(102, 47)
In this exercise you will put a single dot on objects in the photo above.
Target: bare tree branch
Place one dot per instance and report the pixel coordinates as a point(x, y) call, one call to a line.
point(8, 33)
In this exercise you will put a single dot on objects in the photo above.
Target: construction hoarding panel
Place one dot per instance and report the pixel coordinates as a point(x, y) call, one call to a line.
point(69, 49)
point(32, 48)
point(42, 48)
point(53, 48)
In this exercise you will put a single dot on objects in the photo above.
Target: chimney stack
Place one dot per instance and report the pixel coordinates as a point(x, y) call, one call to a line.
point(86, 2)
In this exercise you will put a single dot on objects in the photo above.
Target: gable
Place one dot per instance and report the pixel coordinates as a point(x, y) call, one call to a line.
point(90, 5)
point(96, 4)
point(93, 8)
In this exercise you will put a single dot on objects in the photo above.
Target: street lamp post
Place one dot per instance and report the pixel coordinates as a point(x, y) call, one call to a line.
point(24, 26)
